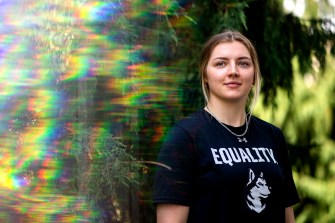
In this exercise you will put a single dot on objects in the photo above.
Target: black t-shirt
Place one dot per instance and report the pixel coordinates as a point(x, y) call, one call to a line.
point(222, 178)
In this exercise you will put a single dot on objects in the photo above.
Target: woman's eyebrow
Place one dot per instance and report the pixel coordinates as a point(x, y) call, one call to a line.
point(239, 58)
point(244, 58)
point(220, 58)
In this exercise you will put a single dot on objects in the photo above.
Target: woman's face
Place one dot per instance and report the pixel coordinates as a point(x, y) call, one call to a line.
point(230, 72)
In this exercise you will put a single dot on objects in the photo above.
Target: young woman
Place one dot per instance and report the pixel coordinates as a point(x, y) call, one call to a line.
point(222, 163)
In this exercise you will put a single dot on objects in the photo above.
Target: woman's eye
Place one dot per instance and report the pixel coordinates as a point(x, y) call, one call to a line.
point(244, 63)
point(220, 64)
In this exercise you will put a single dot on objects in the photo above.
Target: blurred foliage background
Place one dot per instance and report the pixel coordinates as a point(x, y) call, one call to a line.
point(89, 89)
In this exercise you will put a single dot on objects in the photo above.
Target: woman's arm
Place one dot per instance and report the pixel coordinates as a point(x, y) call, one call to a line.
point(172, 213)
point(289, 215)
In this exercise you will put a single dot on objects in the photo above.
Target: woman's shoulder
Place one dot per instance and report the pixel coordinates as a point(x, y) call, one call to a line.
point(187, 127)
point(193, 121)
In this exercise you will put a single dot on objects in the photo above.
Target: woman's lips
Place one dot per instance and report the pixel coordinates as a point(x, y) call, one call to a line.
point(233, 84)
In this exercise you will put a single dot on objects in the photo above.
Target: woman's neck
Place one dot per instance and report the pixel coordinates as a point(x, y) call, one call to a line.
point(230, 114)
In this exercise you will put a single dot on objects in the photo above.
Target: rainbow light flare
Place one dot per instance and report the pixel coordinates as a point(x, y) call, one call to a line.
point(30, 161)
point(53, 55)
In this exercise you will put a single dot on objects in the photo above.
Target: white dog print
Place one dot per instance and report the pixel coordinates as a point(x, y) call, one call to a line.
point(257, 192)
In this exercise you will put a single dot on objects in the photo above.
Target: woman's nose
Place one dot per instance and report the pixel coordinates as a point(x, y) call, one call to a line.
point(233, 71)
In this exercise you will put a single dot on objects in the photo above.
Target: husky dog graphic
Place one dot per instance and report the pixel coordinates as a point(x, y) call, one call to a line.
point(257, 192)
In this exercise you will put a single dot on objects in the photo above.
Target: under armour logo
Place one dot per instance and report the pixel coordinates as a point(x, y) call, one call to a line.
point(242, 139)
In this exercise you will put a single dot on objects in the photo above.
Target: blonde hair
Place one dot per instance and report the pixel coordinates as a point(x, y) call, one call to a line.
point(230, 36)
